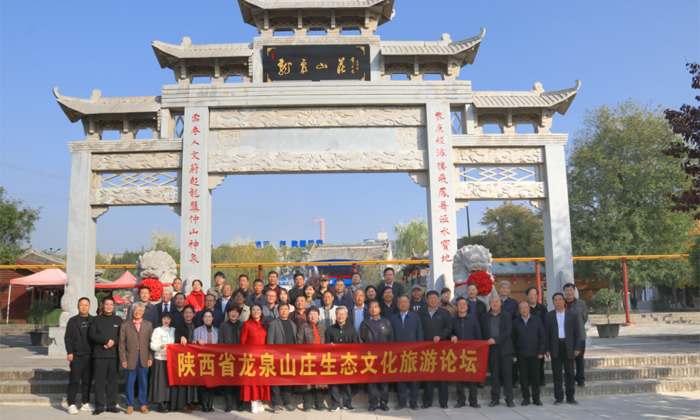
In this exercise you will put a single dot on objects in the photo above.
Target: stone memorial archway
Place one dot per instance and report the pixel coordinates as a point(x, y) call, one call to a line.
point(314, 105)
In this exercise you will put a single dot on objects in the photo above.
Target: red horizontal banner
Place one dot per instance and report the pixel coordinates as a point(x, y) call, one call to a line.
point(308, 364)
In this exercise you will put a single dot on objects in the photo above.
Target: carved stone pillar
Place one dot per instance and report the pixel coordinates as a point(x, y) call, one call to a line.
point(556, 222)
point(82, 228)
point(442, 226)
point(195, 227)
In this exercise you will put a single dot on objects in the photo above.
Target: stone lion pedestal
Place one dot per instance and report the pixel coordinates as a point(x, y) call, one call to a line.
point(468, 260)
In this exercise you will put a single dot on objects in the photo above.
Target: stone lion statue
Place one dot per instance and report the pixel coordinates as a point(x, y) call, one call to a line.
point(470, 259)
point(157, 265)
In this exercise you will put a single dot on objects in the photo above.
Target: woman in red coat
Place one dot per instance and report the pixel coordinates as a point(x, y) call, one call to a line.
point(254, 332)
point(196, 297)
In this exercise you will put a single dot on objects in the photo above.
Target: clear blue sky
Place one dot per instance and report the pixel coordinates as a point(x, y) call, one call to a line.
point(618, 49)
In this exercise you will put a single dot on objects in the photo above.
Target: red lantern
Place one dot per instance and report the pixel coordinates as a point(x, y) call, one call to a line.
point(483, 281)
point(514, 278)
point(528, 278)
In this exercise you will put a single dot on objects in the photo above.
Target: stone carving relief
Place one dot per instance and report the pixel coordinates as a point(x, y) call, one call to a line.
point(156, 265)
point(228, 139)
point(130, 196)
point(413, 138)
point(499, 190)
point(468, 260)
point(317, 117)
point(497, 155)
point(391, 160)
point(112, 162)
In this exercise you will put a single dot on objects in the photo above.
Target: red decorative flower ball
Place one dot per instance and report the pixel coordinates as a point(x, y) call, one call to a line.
point(156, 288)
point(483, 281)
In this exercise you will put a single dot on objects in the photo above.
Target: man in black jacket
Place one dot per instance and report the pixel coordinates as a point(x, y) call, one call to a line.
point(530, 345)
point(537, 310)
point(563, 345)
point(389, 283)
point(210, 303)
point(497, 327)
point(437, 326)
point(165, 305)
point(376, 329)
point(465, 327)
point(417, 302)
point(408, 328)
point(341, 333)
point(79, 350)
point(475, 306)
point(104, 333)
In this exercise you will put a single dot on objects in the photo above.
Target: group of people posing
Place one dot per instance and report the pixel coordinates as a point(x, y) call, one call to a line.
point(519, 335)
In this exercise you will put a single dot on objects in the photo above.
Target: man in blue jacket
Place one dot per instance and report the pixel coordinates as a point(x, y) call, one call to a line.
point(497, 327)
point(530, 346)
point(407, 329)
point(465, 327)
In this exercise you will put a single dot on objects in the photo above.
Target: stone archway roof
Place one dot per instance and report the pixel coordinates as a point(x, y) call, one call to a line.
point(168, 54)
point(559, 100)
point(464, 50)
point(77, 108)
point(247, 6)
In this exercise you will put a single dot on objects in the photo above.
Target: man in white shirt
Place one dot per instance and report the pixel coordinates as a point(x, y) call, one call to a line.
point(226, 292)
point(563, 345)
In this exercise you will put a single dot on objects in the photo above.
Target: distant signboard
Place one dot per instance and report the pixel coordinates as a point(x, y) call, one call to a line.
point(316, 62)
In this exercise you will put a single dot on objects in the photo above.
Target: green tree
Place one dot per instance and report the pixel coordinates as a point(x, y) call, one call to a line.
point(512, 231)
point(617, 179)
point(411, 238)
point(17, 222)
point(242, 251)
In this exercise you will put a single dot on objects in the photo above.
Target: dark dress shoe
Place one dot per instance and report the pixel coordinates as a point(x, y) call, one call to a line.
point(494, 403)
point(185, 410)
point(414, 407)
point(558, 402)
point(537, 403)
point(112, 410)
point(460, 405)
point(97, 412)
point(525, 403)
point(320, 408)
point(475, 405)
point(480, 385)
point(289, 408)
point(582, 384)
point(426, 406)
point(572, 402)
point(510, 404)
point(383, 407)
point(372, 407)
point(275, 409)
point(444, 406)
point(306, 409)
point(400, 407)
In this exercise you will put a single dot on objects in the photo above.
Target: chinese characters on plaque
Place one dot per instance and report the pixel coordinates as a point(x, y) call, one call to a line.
point(316, 62)
point(194, 188)
point(444, 211)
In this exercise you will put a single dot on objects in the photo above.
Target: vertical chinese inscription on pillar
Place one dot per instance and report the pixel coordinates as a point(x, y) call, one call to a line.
point(194, 187)
point(443, 238)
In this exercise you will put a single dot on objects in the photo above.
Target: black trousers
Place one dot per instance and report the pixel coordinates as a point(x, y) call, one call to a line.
point(311, 394)
point(407, 390)
point(568, 365)
point(530, 377)
point(80, 371)
point(335, 396)
point(106, 372)
point(473, 392)
point(231, 395)
point(516, 371)
point(542, 381)
point(580, 365)
point(276, 391)
point(380, 390)
point(500, 366)
point(429, 390)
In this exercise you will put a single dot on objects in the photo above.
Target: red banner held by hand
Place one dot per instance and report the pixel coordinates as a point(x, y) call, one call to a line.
point(308, 364)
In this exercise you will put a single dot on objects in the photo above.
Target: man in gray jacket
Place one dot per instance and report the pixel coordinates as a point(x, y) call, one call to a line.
point(282, 331)
point(578, 306)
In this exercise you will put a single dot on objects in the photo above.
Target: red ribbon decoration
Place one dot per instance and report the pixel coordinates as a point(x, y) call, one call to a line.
point(215, 365)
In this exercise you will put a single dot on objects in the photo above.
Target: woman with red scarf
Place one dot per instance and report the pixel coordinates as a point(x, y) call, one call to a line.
point(254, 332)
point(196, 297)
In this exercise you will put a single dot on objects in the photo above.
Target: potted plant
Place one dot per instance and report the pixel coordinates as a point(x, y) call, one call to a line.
point(38, 313)
point(606, 299)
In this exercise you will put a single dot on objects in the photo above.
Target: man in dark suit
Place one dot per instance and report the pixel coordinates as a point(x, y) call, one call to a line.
point(509, 305)
point(376, 329)
point(341, 298)
point(408, 328)
point(166, 304)
point(282, 331)
point(226, 297)
point(538, 310)
point(574, 304)
point(498, 327)
point(475, 306)
point(465, 327)
point(437, 326)
point(530, 345)
point(390, 283)
point(358, 311)
point(563, 345)
point(210, 303)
